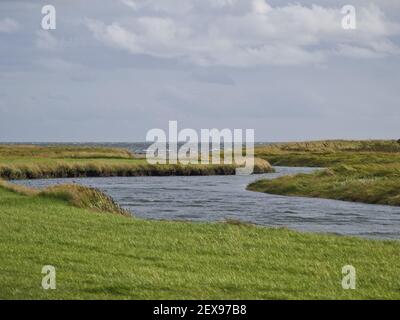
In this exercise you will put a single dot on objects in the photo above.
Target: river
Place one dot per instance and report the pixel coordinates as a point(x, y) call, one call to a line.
point(217, 198)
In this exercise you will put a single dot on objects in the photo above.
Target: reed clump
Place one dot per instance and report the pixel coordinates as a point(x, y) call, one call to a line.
point(83, 197)
point(76, 195)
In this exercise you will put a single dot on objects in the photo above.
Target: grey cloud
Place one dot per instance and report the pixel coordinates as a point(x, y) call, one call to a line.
point(215, 71)
point(8, 25)
point(210, 76)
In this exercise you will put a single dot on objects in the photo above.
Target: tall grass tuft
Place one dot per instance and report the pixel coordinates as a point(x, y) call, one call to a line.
point(84, 197)
point(76, 195)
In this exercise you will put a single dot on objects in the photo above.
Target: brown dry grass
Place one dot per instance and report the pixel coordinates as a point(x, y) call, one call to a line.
point(63, 152)
point(76, 195)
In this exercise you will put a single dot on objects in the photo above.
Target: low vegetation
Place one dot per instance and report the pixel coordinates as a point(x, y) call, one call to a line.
point(33, 162)
point(109, 256)
point(375, 184)
point(360, 171)
point(330, 153)
point(74, 194)
point(335, 146)
point(62, 152)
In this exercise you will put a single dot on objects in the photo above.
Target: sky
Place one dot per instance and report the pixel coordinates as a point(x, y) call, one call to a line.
point(114, 69)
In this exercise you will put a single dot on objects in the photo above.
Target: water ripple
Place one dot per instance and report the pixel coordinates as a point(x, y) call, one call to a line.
point(215, 198)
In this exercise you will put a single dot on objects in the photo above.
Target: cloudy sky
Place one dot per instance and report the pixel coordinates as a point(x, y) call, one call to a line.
point(113, 69)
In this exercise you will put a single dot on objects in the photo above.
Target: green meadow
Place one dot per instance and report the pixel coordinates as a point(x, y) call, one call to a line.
point(106, 255)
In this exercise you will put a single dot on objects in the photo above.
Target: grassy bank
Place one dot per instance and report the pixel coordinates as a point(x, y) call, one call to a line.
point(99, 255)
point(74, 194)
point(360, 171)
point(330, 153)
point(32, 162)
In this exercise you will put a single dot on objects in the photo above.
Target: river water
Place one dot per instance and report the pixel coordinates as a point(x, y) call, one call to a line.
point(217, 198)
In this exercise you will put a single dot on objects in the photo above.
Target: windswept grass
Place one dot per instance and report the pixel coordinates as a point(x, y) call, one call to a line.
point(360, 171)
point(62, 152)
point(367, 184)
point(32, 162)
point(107, 256)
point(330, 153)
point(335, 146)
point(76, 195)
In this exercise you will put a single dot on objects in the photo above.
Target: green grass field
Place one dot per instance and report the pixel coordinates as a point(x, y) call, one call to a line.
point(360, 171)
point(100, 255)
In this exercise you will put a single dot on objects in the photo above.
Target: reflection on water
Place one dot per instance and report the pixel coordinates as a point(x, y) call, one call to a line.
point(213, 198)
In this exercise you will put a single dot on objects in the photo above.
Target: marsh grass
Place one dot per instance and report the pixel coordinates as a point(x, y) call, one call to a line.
point(74, 194)
point(359, 171)
point(32, 162)
point(334, 146)
point(83, 197)
point(62, 152)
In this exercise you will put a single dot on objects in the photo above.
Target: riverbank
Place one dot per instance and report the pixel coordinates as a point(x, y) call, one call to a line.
point(36, 162)
point(99, 255)
point(359, 171)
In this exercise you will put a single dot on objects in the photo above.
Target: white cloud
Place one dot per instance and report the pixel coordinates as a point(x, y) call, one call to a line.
point(130, 3)
point(261, 7)
point(114, 35)
point(246, 33)
point(8, 25)
point(155, 35)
